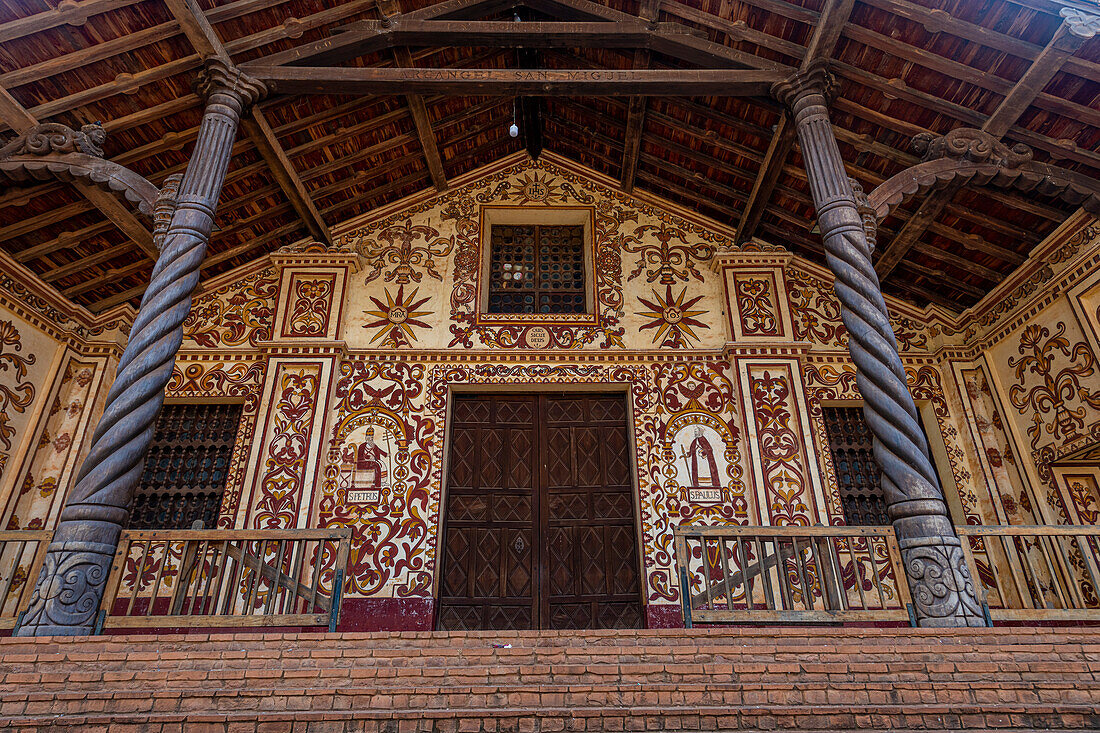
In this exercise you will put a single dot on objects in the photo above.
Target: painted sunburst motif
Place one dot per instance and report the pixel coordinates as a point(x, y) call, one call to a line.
point(673, 318)
point(397, 317)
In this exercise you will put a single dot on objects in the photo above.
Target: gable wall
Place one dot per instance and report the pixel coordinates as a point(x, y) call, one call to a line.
point(321, 346)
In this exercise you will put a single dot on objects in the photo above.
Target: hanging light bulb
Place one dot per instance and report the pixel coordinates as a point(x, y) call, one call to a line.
point(514, 130)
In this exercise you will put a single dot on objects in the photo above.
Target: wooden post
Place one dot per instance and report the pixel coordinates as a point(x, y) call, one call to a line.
point(70, 586)
point(941, 583)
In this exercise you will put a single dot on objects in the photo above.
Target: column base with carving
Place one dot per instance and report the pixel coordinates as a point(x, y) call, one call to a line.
point(66, 596)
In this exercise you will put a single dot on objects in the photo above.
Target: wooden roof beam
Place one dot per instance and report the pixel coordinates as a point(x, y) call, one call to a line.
point(1063, 43)
point(418, 108)
point(206, 43)
point(508, 82)
point(419, 111)
point(770, 169)
point(70, 14)
point(944, 22)
point(970, 241)
point(19, 119)
point(649, 12)
point(635, 125)
point(179, 66)
point(940, 278)
point(237, 251)
point(251, 244)
point(822, 43)
point(935, 21)
point(911, 289)
point(284, 173)
point(587, 23)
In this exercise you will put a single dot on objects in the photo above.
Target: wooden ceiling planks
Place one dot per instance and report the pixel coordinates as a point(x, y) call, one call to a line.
point(904, 67)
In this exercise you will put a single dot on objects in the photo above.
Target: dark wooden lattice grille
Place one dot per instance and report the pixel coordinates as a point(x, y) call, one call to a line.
point(536, 269)
point(857, 474)
point(186, 470)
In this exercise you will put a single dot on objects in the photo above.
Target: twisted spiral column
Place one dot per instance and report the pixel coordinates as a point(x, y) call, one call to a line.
point(938, 576)
point(70, 587)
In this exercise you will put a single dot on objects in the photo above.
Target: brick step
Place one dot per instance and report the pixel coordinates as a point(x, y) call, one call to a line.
point(757, 637)
point(393, 678)
point(599, 719)
point(150, 697)
point(780, 678)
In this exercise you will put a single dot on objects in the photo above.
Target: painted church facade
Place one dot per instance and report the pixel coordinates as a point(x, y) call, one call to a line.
point(373, 378)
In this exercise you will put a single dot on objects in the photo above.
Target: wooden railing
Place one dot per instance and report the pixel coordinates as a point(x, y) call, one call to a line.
point(226, 578)
point(734, 574)
point(21, 555)
point(1025, 573)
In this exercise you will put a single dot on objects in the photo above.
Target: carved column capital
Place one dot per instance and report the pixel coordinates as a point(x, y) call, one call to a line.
point(220, 78)
point(811, 85)
point(165, 206)
point(866, 213)
point(1081, 22)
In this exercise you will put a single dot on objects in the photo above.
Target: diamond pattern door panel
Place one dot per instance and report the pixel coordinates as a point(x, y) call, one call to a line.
point(539, 529)
point(593, 562)
point(490, 547)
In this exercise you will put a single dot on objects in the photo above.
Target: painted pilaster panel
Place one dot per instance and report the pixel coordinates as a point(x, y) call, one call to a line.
point(787, 480)
point(312, 285)
point(46, 479)
point(756, 295)
point(285, 459)
point(30, 360)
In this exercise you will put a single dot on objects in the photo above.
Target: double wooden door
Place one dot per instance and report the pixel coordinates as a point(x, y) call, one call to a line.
point(539, 528)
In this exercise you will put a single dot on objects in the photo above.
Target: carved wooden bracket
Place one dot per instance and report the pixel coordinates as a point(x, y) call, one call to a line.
point(52, 150)
point(975, 158)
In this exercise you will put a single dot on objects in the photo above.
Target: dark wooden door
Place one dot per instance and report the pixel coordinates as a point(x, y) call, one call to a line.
point(539, 527)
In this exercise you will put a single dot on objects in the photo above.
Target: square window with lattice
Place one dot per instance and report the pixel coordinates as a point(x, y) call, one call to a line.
point(857, 474)
point(187, 467)
point(536, 268)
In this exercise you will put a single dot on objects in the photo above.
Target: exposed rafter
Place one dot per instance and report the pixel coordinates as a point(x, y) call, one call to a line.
point(822, 44)
point(1063, 43)
point(418, 109)
point(636, 111)
point(206, 43)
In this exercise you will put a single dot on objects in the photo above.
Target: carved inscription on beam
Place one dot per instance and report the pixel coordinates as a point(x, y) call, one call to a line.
point(366, 36)
point(556, 82)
